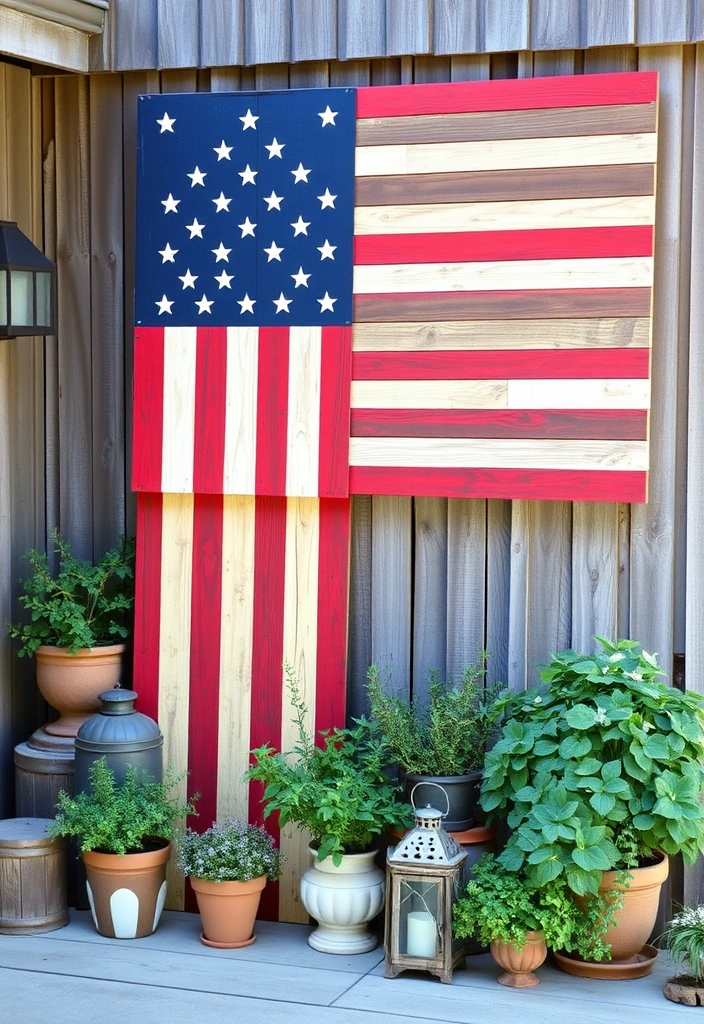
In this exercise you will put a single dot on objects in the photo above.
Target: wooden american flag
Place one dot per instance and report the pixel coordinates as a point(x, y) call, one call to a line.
point(499, 280)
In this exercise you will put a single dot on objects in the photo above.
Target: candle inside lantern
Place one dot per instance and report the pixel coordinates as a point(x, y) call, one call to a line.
point(422, 934)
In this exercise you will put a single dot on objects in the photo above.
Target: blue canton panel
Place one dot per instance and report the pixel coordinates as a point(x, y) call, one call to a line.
point(245, 207)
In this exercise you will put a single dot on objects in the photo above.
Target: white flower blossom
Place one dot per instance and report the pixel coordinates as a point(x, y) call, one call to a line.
point(647, 727)
point(616, 656)
point(602, 718)
point(538, 700)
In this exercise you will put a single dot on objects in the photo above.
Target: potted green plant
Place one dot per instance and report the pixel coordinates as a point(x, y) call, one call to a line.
point(519, 921)
point(441, 742)
point(599, 775)
point(78, 621)
point(339, 793)
point(228, 866)
point(684, 938)
point(124, 834)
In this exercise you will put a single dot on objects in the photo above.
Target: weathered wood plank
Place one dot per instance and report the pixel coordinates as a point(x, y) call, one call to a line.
point(313, 30)
point(517, 670)
point(555, 25)
point(133, 35)
point(610, 58)
point(505, 27)
point(430, 619)
point(608, 22)
point(658, 22)
point(595, 575)
point(408, 27)
point(466, 583)
point(470, 68)
point(178, 25)
point(359, 645)
point(267, 29)
point(361, 28)
point(351, 73)
point(311, 75)
point(456, 26)
point(221, 33)
point(391, 590)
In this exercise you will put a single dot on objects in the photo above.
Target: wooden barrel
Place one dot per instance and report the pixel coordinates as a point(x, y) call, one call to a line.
point(40, 773)
point(32, 878)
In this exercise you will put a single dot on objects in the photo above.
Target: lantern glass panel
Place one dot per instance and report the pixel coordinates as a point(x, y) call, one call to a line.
point(21, 298)
point(43, 287)
point(420, 933)
point(3, 298)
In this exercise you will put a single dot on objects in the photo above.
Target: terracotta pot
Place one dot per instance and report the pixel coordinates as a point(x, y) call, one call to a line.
point(71, 683)
point(520, 964)
point(127, 892)
point(227, 911)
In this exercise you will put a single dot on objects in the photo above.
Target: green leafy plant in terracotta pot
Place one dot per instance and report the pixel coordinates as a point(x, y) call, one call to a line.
point(440, 742)
point(599, 775)
point(337, 791)
point(125, 834)
point(77, 623)
point(519, 921)
point(684, 938)
point(228, 866)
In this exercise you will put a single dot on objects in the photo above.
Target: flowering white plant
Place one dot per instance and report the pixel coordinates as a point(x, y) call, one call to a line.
point(685, 940)
point(229, 852)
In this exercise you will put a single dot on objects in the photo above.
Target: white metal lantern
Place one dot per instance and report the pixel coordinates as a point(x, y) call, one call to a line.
point(423, 878)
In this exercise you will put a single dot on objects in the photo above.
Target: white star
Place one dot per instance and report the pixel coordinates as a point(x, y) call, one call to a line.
point(188, 279)
point(164, 305)
point(246, 303)
point(282, 303)
point(247, 228)
point(300, 227)
point(224, 280)
point(222, 204)
point(204, 304)
point(275, 148)
point(197, 177)
point(327, 200)
point(300, 174)
point(326, 251)
point(166, 123)
point(326, 303)
point(300, 278)
point(170, 204)
point(221, 253)
point(223, 151)
point(167, 254)
point(273, 201)
point(328, 116)
point(249, 121)
point(274, 252)
point(248, 175)
point(195, 228)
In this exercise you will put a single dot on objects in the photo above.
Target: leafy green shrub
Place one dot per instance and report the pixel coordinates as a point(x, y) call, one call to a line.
point(119, 819)
point(338, 791)
point(684, 937)
point(83, 605)
point(448, 736)
point(600, 770)
point(230, 852)
point(501, 904)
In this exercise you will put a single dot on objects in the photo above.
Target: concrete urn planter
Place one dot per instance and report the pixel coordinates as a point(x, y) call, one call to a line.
point(343, 900)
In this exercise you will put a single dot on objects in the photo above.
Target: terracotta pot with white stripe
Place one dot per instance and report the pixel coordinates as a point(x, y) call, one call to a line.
point(126, 892)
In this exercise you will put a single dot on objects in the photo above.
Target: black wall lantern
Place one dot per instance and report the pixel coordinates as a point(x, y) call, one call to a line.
point(27, 286)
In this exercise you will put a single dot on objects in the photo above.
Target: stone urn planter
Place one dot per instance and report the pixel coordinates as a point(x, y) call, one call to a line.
point(72, 683)
point(519, 964)
point(227, 911)
point(343, 900)
point(126, 892)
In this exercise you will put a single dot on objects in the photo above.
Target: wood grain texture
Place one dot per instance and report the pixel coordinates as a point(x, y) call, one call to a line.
point(6, 654)
point(662, 23)
point(408, 27)
point(134, 35)
point(618, 423)
point(458, 394)
point(179, 409)
point(466, 584)
point(303, 427)
point(609, 23)
point(595, 575)
point(391, 590)
point(506, 28)
point(498, 588)
point(313, 30)
point(549, 558)
point(241, 410)
point(359, 648)
point(495, 363)
point(178, 25)
point(430, 611)
point(456, 26)
point(221, 33)
point(361, 28)
point(267, 31)
point(555, 25)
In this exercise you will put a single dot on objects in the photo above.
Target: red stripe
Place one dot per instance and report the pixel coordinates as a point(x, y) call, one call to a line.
point(147, 606)
point(209, 434)
point(590, 424)
point(336, 367)
point(333, 576)
point(272, 411)
point(480, 246)
point(506, 364)
point(267, 656)
point(148, 404)
point(543, 484)
point(508, 94)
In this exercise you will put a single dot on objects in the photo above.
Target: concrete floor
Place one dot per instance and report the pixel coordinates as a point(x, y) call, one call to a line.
point(74, 976)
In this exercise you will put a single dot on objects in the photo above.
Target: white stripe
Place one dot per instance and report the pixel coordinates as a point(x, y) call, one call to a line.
point(179, 409)
point(303, 429)
point(501, 394)
point(241, 410)
point(497, 453)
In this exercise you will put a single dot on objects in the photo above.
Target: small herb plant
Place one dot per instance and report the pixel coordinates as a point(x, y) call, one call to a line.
point(337, 791)
point(82, 605)
point(229, 852)
point(448, 736)
point(600, 770)
point(499, 904)
point(684, 938)
point(119, 819)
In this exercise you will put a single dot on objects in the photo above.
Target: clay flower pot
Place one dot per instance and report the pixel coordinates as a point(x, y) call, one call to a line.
point(634, 922)
point(127, 892)
point(227, 911)
point(520, 964)
point(72, 683)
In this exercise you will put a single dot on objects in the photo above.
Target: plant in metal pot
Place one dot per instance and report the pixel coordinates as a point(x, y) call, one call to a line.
point(599, 773)
point(79, 617)
point(684, 938)
point(519, 920)
point(228, 866)
point(337, 791)
point(124, 833)
point(442, 740)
